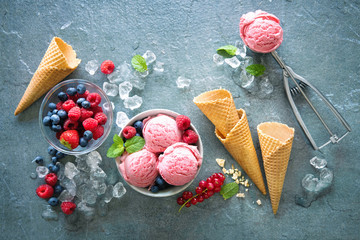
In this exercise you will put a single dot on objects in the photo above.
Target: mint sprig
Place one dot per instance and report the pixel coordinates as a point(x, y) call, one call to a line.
point(132, 145)
point(229, 190)
point(227, 51)
point(139, 63)
point(256, 69)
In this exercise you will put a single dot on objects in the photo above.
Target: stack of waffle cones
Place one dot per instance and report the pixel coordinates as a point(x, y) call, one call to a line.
point(58, 62)
point(275, 142)
point(232, 129)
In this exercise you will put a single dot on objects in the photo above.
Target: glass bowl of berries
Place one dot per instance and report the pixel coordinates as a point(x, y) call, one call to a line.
point(158, 153)
point(76, 117)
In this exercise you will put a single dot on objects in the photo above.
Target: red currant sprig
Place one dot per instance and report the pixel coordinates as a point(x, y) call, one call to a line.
point(205, 190)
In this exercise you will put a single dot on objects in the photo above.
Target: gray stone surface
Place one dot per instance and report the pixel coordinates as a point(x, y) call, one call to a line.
point(321, 42)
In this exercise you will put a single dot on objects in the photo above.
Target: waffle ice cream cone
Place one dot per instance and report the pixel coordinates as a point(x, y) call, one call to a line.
point(58, 62)
point(219, 107)
point(275, 142)
point(240, 145)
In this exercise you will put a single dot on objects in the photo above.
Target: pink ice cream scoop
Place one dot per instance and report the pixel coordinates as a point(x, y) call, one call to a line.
point(139, 168)
point(179, 163)
point(261, 31)
point(160, 132)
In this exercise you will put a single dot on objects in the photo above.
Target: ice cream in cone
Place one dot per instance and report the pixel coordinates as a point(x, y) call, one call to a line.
point(232, 129)
point(58, 62)
point(275, 142)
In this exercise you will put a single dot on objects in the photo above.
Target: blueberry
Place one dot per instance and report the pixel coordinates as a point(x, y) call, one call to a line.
point(55, 119)
point(88, 135)
point(160, 182)
point(85, 104)
point(138, 125)
point(56, 128)
point(54, 168)
point(49, 113)
point(81, 88)
point(51, 150)
point(62, 114)
point(138, 134)
point(54, 160)
point(50, 167)
point(58, 189)
point(71, 91)
point(59, 155)
point(79, 101)
point(52, 106)
point(55, 111)
point(53, 201)
point(62, 96)
point(154, 189)
point(83, 142)
point(47, 121)
point(39, 160)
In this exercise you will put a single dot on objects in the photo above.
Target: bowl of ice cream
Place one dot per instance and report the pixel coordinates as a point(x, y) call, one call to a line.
point(165, 155)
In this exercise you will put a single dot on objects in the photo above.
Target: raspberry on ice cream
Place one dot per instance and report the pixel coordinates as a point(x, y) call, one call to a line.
point(160, 132)
point(179, 163)
point(139, 168)
point(261, 31)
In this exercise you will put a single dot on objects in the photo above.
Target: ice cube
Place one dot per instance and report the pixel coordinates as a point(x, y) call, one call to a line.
point(124, 89)
point(309, 182)
point(118, 190)
point(61, 172)
point(70, 185)
point(110, 89)
point(241, 48)
point(150, 57)
point(159, 66)
point(71, 170)
point(108, 195)
point(49, 214)
point(218, 59)
point(183, 82)
point(121, 119)
point(138, 82)
point(102, 208)
point(248, 61)
point(81, 178)
point(133, 102)
point(326, 175)
point(99, 186)
point(93, 159)
point(92, 66)
point(65, 196)
point(88, 212)
point(42, 171)
point(97, 174)
point(81, 163)
point(247, 80)
point(115, 77)
point(233, 62)
point(109, 107)
point(266, 88)
point(125, 71)
point(318, 163)
point(141, 74)
point(90, 195)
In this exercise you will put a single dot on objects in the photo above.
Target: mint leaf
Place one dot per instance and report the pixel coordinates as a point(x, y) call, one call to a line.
point(227, 51)
point(117, 139)
point(115, 150)
point(229, 190)
point(139, 63)
point(134, 144)
point(256, 69)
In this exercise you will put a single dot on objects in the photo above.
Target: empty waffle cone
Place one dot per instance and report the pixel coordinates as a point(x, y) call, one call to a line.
point(275, 142)
point(58, 62)
point(219, 107)
point(240, 145)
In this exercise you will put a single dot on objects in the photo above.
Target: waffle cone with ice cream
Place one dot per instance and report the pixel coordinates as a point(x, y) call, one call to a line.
point(232, 129)
point(275, 142)
point(58, 62)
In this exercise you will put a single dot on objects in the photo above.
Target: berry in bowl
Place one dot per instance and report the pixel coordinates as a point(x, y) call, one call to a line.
point(158, 153)
point(74, 118)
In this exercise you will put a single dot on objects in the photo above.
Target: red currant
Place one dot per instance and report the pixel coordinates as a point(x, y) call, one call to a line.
point(201, 198)
point(220, 176)
point(210, 186)
point(188, 204)
point(210, 193)
point(206, 195)
point(202, 184)
point(217, 182)
point(187, 195)
point(217, 189)
point(198, 190)
point(194, 201)
point(209, 180)
point(180, 201)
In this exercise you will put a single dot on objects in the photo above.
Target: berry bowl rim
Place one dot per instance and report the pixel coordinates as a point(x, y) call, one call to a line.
point(109, 115)
point(173, 190)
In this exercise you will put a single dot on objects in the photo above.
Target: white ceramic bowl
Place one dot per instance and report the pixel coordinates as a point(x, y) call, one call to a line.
point(173, 189)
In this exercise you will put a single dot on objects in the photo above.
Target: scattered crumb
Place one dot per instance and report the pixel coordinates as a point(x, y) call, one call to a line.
point(220, 162)
point(246, 189)
point(237, 181)
point(231, 171)
point(224, 170)
point(246, 183)
point(232, 167)
point(258, 202)
point(240, 195)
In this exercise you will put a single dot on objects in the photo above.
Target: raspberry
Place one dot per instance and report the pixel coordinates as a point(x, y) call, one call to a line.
point(94, 99)
point(90, 124)
point(84, 95)
point(74, 98)
point(51, 179)
point(68, 207)
point(190, 137)
point(70, 124)
point(59, 105)
point(85, 114)
point(183, 122)
point(45, 191)
point(101, 118)
point(68, 104)
point(98, 132)
point(74, 113)
point(107, 67)
point(129, 132)
point(96, 109)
